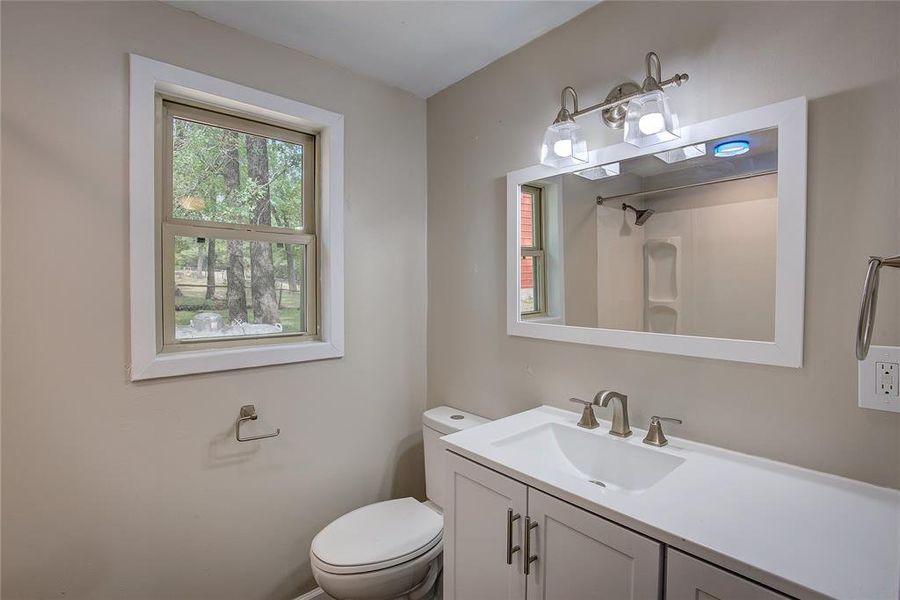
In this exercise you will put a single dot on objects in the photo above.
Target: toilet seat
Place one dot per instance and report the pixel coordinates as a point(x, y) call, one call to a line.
point(415, 579)
point(377, 537)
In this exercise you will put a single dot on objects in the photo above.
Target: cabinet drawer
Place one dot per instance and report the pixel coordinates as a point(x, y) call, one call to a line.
point(690, 579)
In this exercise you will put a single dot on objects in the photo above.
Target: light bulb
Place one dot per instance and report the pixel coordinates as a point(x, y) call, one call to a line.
point(563, 148)
point(651, 123)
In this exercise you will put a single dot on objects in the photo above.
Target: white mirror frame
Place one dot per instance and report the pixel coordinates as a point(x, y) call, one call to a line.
point(790, 269)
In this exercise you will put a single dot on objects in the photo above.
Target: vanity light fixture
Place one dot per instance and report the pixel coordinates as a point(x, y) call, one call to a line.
point(732, 148)
point(643, 111)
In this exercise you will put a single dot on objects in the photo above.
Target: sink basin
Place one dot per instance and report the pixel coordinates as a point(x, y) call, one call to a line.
point(594, 456)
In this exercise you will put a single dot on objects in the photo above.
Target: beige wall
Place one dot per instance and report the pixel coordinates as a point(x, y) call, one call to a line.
point(845, 57)
point(113, 490)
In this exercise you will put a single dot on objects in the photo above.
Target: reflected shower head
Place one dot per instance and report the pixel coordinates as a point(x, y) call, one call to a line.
point(640, 216)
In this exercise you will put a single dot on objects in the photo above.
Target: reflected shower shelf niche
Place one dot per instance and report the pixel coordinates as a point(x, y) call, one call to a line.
point(662, 280)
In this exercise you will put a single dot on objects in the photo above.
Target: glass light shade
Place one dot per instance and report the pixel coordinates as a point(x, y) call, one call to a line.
point(681, 154)
point(564, 145)
point(650, 121)
point(601, 172)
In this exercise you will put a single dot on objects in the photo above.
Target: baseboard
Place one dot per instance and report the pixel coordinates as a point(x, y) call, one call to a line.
point(316, 594)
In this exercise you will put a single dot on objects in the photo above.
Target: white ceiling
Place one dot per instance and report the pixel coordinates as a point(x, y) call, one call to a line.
point(418, 46)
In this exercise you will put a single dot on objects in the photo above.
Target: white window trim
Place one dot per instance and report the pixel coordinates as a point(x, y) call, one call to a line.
point(149, 78)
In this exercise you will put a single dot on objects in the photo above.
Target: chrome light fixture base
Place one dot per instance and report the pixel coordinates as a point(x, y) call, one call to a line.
point(614, 116)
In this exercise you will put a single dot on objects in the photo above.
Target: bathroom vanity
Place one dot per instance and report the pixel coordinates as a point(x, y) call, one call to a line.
point(541, 508)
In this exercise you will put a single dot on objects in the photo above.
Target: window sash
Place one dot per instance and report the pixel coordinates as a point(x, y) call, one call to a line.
point(170, 227)
point(172, 110)
point(173, 230)
point(538, 268)
point(537, 217)
point(536, 250)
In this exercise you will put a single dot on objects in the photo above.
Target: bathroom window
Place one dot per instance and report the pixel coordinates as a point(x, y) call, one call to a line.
point(532, 271)
point(236, 225)
point(238, 230)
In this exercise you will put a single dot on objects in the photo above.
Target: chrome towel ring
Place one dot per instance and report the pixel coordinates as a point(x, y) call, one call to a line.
point(869, 301)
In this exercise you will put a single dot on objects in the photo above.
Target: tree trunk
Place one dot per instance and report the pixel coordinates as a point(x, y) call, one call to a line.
point(262, 270)
point(289, 255)
point(292, 269)
point(200, 257)
point(236, 295)
point(210, 269)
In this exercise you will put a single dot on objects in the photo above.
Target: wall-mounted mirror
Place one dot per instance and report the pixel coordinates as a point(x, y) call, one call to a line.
point(693, 247)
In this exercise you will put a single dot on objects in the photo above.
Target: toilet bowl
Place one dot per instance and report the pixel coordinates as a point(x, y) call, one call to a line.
point(392, 550)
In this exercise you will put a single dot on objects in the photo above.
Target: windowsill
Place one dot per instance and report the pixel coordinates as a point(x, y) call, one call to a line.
point(545, 319)
point(171, 364)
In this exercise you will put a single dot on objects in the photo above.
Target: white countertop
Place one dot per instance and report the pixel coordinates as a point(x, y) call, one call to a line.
point(803, 532)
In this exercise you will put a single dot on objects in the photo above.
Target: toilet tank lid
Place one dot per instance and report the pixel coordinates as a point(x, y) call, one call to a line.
point(446, 419)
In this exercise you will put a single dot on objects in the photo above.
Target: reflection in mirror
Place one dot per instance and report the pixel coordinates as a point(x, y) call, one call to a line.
point(679, 242)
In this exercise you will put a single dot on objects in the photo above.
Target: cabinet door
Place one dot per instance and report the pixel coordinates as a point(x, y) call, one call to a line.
point(581, 556)
point(476, 528)
point(690, 579)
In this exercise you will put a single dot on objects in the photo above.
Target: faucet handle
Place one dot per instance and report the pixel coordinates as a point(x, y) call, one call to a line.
point(655, 435)
point(588, 419)
point(668, 419)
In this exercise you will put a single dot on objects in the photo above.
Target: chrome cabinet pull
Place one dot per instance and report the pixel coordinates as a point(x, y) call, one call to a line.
point(510, 549)
point(529, 558)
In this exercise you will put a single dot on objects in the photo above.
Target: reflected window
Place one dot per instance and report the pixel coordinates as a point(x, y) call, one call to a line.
point(531, 240)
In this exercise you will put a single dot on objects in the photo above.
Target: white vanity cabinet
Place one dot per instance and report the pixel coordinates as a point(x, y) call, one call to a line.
point(689, 579)
point(580, 556)
point(477, 522)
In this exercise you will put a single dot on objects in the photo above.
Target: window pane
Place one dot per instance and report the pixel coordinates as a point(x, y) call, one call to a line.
point(526, 212)
point(233, 177)
point(227, 288)
point(528, 285)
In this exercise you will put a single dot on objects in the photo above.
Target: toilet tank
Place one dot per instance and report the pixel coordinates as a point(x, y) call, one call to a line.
point(436, 423)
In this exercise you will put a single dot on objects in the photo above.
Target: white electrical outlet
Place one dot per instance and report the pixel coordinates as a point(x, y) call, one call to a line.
point(879, 379)
point(886, 378)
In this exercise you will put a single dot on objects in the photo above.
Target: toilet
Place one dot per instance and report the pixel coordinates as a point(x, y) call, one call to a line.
point(392, 550)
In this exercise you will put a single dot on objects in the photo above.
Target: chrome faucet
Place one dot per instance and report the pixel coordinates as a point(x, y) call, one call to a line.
point(620, 425)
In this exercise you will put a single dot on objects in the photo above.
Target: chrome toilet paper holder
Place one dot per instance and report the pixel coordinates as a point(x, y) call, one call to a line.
point(248, 413)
